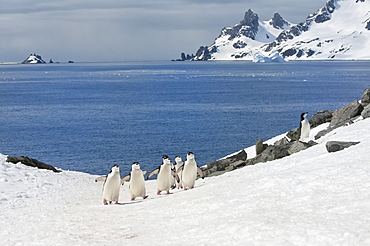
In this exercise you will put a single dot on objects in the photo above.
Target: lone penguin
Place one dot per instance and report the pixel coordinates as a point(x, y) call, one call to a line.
point(137, 182)
point(111, 186)
point(165, 175)
point(189, 171)
point(304, 127)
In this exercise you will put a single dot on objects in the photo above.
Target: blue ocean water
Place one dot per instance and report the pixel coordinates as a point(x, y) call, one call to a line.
point(89, 116)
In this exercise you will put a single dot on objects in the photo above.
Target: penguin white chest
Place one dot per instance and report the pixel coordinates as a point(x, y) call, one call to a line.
point(111, 187)
point(305, 129)
point(137, 183)
point(164, 180)
point(189, 174)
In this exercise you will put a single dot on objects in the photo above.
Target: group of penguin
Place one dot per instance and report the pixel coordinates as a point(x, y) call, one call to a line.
point(169, 176)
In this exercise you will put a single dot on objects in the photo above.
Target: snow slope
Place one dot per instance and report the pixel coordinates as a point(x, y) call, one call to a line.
point(343, 36)
point(338, 30)
point(310, 198)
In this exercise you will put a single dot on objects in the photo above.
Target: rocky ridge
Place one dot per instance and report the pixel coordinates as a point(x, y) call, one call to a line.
point(338, 30)
point(291, 144)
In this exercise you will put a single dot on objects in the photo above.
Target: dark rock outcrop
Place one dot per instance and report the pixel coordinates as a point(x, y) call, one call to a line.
point(365, 99)
point(321, 117)
point(260, 146)
point(223, 165)
point(31, 162)
point(366, 112)
point(334, 146)
point(346, 113)
point(278, 22)
point(294, 134)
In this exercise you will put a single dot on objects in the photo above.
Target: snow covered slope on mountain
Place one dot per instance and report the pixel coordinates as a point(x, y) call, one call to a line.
point(339, 30)
point(239, 41)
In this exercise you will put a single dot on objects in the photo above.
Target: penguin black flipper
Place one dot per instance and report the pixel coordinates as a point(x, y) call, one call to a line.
point(125, 178)
point(200, 172)
point(180, 169)
point(101, 178)
point(174, 174)
point(155, 171)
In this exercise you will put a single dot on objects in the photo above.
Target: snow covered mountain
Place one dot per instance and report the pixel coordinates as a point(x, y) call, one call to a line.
point(239, 41)
point(339, 30)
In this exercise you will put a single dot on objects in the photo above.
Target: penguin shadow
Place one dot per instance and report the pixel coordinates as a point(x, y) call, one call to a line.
point(125, 203)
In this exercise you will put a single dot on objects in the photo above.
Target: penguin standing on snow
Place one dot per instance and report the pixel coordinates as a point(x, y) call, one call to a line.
point(179, 164)
point(137, 182)
point(111, 185)
point(304, 127)
point(189, 171)
point(165, 175)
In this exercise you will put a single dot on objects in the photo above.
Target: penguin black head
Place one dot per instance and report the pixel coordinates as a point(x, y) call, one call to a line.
point(303, 115)
point(190, 155)
point(165, 157)
point(135, 165)
point(115, 168)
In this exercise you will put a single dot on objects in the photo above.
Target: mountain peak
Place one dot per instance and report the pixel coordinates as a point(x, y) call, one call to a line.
point(250, 19)
point(278, 22)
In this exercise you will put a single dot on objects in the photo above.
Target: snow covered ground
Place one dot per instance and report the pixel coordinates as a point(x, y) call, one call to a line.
point(310, 198)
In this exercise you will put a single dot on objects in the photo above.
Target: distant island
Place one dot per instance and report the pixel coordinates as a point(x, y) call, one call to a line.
point(37, 59)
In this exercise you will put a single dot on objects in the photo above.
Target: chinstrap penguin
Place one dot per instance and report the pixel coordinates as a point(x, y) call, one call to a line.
point(111, 186)
point(165, 175)
point(179, 164)
point(189, 172)
point(304, 127)
point(137, 182)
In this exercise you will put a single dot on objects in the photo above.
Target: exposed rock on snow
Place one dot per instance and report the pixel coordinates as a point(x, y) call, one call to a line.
point(346, 113)
point(290, 143)
point(366, 112)
point(334, 146)
point(31, 162)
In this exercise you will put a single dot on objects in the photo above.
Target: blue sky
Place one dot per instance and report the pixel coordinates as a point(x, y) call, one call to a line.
point(119, 30)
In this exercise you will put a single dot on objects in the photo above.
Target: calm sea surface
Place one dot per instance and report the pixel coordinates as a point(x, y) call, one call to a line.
point(89, 116)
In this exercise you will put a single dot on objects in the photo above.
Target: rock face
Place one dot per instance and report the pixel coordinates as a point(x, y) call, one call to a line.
point(366, 112)
point(33, 59)
point(278, 22)
point(346, 113)
point(230, 163)
point(365, 99)
point(334, 146)
point(31, 162)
